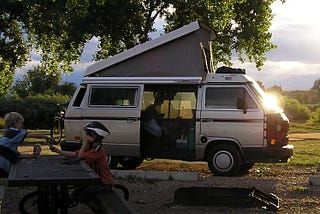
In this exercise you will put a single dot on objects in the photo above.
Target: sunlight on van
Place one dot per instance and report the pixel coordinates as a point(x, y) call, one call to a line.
point(271, 102)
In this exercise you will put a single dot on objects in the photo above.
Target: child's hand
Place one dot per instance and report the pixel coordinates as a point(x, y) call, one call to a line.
point(52, 141)
point(36, 150)
point(54, 149)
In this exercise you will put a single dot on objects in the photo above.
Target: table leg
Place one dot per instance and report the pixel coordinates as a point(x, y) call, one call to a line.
point(43, 200)
point(64, 199)
point(48, 200)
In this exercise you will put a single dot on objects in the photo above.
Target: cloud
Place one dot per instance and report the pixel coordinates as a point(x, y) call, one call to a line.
point(296, 43)
point(89, 50)
point(287, 74)
point(29, 66)
point(294, 64)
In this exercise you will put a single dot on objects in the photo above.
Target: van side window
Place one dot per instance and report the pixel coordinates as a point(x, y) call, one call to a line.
point(226, 98)
point(79, 97)
point(113, 96)
point(172, 102)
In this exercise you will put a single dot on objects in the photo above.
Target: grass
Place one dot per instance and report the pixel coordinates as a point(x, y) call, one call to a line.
point(298, 188)
point(306, 153)
point(304, 128)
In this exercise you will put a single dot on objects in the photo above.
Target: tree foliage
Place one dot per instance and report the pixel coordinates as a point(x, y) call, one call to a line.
point(59, 29)
point(13, 48)
point(36, 81)
point(316, 116)
point(295, 110)
point(241, 25)
point(311, 96)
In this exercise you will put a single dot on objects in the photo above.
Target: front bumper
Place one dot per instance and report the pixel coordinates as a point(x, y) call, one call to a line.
point(277, 154)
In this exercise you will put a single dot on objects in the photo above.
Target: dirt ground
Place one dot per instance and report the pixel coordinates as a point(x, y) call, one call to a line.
point(289, 183)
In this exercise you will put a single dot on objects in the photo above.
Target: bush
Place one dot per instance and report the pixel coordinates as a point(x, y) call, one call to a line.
point(38, 111)
point(295, 110)
point(316, 117)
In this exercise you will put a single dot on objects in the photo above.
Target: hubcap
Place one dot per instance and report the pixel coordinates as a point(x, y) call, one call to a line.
point(223, 160)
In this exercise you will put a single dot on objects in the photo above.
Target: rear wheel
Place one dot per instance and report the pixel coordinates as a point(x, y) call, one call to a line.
point(130, 162)
point(56, 130)
point(224, 160)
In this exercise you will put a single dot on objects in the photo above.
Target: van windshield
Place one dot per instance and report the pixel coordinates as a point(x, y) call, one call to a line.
point(269, 101)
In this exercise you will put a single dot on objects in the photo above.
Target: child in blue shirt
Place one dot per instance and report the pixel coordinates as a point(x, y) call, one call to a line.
point(12, 138)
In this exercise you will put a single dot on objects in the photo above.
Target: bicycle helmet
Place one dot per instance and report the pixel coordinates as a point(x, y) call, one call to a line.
point(98, 128)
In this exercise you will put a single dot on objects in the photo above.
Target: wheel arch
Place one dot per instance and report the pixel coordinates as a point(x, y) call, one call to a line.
point(214, 143)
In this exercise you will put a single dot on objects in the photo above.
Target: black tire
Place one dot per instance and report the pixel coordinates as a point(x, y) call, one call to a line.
point(29, 203)
point(224, 160)
point(112, 162)
point(246, 166)
point(130, 162)
point(124, 190)
point(56, 130)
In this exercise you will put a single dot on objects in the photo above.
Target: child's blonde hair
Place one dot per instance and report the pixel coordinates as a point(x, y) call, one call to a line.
point(11, 119)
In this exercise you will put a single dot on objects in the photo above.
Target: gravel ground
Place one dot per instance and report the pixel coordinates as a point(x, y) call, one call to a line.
point(290, 184)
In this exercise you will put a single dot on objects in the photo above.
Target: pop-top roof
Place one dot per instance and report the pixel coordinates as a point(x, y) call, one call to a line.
point(182, 52)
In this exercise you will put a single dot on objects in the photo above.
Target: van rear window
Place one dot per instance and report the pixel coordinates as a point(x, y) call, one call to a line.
point(113, 96)
point(79, 97)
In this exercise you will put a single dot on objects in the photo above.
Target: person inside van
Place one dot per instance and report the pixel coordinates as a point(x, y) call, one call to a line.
point(12, 138)
point(151, 118)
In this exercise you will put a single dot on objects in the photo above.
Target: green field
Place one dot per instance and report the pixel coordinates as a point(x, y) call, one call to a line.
point(306, 153)
point(304, 128)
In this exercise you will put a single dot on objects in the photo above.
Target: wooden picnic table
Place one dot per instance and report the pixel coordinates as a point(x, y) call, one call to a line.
point(51, 174)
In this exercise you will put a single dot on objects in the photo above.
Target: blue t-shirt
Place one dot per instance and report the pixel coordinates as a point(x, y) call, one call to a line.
point(11, 139)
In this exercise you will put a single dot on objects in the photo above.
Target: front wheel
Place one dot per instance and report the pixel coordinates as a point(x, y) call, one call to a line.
point(224, 160)
point(130, 162)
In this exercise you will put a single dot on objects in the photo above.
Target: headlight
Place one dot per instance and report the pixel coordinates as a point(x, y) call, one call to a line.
point(279, 127)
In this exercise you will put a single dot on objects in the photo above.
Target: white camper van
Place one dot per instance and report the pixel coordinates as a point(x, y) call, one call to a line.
point(163, 100)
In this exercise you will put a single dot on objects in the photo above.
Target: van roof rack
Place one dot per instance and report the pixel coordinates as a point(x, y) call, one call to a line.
point(229, 70)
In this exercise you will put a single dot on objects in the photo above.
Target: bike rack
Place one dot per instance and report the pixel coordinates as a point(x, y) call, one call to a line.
point(225, 196)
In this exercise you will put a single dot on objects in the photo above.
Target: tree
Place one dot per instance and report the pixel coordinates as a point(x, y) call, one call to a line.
point(241, 25)
point(13, 48)
point(59, 29)
point(67, 88)
point(295, 110)
point(36, 81)
point(276, 89)
point(315, 92)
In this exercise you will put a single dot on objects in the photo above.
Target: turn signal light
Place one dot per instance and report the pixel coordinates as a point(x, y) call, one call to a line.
point(273, 142)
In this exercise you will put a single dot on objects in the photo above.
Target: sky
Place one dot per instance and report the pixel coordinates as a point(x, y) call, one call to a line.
point(293, 65)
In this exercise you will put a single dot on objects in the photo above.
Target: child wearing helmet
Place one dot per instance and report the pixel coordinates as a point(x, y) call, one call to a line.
point(94, 154)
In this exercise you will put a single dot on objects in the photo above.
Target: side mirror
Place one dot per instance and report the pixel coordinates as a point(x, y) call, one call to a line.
point(241, 104)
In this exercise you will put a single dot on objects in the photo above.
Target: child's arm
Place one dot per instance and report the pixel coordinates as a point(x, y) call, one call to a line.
point(84, 148)
point(61, 152)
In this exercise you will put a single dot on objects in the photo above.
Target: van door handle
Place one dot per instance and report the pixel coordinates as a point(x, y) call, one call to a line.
point(132, 119)
point(206, 120)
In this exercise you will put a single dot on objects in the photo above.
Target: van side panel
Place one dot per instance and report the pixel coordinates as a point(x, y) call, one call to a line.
point(120, 115)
